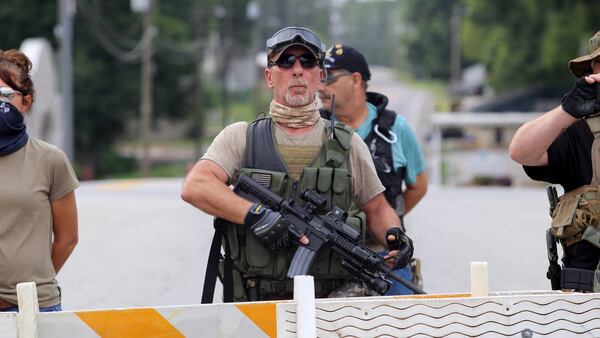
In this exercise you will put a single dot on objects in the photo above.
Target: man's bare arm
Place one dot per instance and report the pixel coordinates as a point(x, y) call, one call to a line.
point(205, 188)
point(380, 217)
point(532, 140)
point(415, 192)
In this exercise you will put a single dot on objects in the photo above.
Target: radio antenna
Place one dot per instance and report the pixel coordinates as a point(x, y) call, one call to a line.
point(332, 131)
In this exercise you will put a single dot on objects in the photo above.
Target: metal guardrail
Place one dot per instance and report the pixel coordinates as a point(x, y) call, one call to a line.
point(444, 120)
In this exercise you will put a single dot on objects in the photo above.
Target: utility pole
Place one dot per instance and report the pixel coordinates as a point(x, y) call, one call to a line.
point(146, 88)
point(224, 13)
point(335, 21)
point(66, 13)
point(253, 14)
point(199, 95)
point(455, 55)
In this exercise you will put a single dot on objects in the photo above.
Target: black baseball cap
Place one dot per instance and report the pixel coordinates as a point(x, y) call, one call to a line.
point(345, 57)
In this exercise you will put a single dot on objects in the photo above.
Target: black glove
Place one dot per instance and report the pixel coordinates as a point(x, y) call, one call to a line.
point(402, 243)
point(582, 100)
point(268, 226)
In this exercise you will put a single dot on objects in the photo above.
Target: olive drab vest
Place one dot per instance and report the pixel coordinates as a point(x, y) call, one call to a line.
point(577, 215)
point(327, 171)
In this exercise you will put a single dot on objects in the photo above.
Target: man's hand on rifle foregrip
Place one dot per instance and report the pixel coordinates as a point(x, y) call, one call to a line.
point(400, 247)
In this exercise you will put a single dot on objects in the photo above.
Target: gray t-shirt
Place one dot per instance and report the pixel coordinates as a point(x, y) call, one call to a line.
point(227, 150)
point(30, 180)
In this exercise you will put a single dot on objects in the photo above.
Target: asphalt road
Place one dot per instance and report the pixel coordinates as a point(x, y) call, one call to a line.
point(141, 245)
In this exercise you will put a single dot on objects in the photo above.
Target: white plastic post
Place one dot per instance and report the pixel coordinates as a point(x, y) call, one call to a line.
point(28, 310)
point(479, 279)
point(306, 317)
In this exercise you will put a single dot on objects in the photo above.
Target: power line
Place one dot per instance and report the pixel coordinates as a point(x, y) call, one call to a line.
point(110, 41)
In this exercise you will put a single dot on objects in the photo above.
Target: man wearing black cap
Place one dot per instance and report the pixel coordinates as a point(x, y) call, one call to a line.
point(393, 146)
point(289, 151)
point(563, 147)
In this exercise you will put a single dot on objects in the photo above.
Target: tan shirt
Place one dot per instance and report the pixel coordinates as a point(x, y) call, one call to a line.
point(227, 150)
point(30, 180)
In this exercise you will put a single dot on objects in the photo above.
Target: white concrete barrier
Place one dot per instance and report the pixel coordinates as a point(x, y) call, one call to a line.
point(508, 314)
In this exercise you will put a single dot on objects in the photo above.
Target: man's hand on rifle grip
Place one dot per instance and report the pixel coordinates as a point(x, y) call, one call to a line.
point(400, 247)
point(270, 227)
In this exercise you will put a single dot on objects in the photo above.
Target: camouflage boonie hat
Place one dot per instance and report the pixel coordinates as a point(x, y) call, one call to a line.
point(583, 65)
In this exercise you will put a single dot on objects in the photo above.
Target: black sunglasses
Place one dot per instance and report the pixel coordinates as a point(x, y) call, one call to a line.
point(332, 75)
point(287, 61)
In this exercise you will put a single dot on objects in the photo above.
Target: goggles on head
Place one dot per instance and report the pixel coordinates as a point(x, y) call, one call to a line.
point(289, 35)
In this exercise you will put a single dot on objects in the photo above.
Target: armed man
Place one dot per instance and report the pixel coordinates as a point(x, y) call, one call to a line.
point(393, 146)
point(287, 152)
point(563, 147)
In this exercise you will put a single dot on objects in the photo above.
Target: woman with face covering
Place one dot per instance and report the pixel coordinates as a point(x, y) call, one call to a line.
point(38, 213)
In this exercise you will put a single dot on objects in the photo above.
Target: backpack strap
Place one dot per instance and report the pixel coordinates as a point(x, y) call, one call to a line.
point(385, 120)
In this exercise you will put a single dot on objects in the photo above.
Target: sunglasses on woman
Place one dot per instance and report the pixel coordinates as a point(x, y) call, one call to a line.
point(287, 61)
point(7, 93)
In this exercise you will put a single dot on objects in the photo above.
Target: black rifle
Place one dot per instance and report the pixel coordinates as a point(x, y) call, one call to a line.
point(554, 269)
point(329, 229)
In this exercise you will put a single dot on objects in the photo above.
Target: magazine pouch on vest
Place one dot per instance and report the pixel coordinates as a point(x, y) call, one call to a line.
point(575, 212)
point(329, 174)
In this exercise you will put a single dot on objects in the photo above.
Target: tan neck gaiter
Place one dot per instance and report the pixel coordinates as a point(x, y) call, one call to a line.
point(294, 117)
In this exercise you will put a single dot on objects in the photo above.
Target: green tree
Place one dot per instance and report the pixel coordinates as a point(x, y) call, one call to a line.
point(106, 62)
point(526, 43)
point(425, 42)
point(377, 19)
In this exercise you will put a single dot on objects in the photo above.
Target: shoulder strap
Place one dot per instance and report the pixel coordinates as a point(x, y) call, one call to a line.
point(594, 125)
point(343, 134)
point(212, 267)
point(326, 114)
point(261, 151)
point(335, 150)
point(385, 119)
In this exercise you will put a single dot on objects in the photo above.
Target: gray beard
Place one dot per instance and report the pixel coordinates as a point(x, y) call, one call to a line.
point(296, 100)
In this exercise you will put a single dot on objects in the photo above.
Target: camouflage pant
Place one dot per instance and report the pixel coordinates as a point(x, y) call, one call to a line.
point(354, 288)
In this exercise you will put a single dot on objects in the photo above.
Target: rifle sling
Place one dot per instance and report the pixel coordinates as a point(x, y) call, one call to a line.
point(212, 267)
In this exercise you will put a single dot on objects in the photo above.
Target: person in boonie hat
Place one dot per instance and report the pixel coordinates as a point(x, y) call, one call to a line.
point(562, 147)
point(583, 65)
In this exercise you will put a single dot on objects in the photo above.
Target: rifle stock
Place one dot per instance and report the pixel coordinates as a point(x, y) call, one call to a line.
point(329, 229)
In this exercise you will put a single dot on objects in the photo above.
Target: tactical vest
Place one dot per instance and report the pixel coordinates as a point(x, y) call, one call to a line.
point(328, 173)
point(577, 215)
